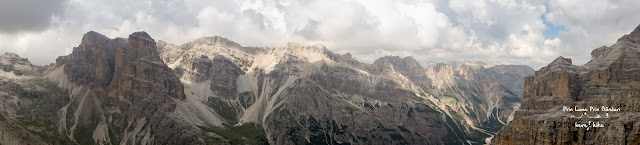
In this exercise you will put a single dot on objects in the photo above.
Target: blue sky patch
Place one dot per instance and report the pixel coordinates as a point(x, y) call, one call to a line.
point(552, 30)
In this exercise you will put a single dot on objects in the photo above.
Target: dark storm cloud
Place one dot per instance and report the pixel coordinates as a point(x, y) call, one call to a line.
point(27, 15)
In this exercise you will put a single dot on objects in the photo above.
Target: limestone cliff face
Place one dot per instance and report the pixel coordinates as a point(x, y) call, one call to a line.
point(560, 81)
point(122, 66)
point(610, 79)
point(139, 69)
point(91, 63)
point(114, 85)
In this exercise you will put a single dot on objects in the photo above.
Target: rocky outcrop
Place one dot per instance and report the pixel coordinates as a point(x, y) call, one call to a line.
point(10, 62)
point(92, 62)
point(118, 84)
point(138, 68)
point(610, 79)
point(121, 66)
point(560, 81)
point(407, 67)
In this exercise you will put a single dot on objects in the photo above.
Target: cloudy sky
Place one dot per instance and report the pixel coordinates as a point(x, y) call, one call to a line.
point(496, 31)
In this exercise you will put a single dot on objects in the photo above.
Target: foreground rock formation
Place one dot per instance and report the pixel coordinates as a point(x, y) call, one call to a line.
point(107, 91)
point(215, 91)
point(611, 79)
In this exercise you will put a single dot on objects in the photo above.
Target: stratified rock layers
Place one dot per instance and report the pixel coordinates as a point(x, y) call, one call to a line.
point(121, 81)
point(121, 66)
point(610, 79)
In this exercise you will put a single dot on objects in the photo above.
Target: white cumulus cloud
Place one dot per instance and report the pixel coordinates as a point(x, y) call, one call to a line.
point(494, 31)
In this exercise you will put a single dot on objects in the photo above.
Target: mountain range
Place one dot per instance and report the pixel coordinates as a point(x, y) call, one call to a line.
point(137, 90)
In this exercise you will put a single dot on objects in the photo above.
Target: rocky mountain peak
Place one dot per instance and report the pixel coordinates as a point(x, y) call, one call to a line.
point(314, 48)
point(319, 46)
point(311, 53)
point(12, 58)
point(92, 36)
point(439, 67)
point(215, 40)
point(456, 68)
point(407, 66)
point(121, 66)
point(293, 45)
point(11, 62)
point(633, 37)
point(596, 53)
point(412, 65)
point(139, 60)
point(636, 31)
point(410, 59)
point(389, 61)
point(397, 60)
point(386, 59)
point(348, 55)
point(91, 39)
point(561, 61)
point(9, 55)
point(141, 35)
point(142, 45)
